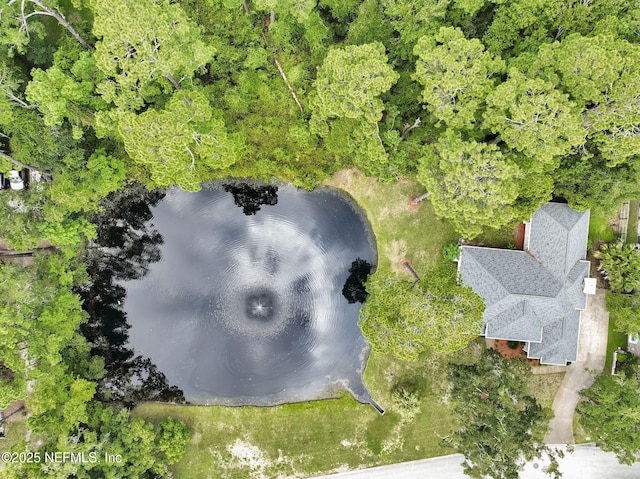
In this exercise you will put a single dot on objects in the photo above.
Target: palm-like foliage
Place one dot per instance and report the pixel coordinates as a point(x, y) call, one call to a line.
point(620, 265)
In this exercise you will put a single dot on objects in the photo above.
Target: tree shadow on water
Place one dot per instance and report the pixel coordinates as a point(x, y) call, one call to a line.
point(251, 197)
point(127, 244)
point(353, 289)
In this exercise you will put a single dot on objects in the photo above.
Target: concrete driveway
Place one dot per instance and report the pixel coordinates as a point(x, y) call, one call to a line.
point(592, 350)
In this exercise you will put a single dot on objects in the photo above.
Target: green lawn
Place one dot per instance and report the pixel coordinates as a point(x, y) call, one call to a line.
point(632, 228)
point(322, 436)
point(401, 231)
point(300, 439)
point(544, 387)
point(498, 238)
point(615, 340)
point(600, 230)
point(15, 431)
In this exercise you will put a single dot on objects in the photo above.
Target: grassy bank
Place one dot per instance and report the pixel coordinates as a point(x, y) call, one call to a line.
point(402, 231)
point(299, 440)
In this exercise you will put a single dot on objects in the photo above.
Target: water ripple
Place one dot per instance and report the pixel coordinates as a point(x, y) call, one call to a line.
point(253, 303)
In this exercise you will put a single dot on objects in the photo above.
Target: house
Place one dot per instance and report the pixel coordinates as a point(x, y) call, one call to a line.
point(536, 295)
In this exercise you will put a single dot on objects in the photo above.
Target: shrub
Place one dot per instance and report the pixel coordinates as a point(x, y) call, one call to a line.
point(451, 252)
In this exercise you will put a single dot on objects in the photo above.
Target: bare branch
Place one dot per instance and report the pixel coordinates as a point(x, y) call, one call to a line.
point(284, 77)
point(48, 11)
point(173, 81)
point(193, 158)
point(407, 128)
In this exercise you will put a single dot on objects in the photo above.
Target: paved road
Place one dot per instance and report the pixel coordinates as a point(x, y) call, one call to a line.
point(586, 462)
point(592, 349)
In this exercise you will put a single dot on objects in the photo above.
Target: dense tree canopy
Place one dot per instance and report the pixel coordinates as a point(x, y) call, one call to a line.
point(145, 44)
point(407, 319)
point(457, 74)
point(610, 413)
point(370, 84)
point(502, 425)
point(624, 312)
point(180, 143)
point(348, 86)
point(470, 183)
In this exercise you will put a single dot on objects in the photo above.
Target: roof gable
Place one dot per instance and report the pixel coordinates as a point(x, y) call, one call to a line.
point(517, 272)
point(558, 237)
point(536, 295)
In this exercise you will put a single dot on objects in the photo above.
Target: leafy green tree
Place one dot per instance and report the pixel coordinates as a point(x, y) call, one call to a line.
point(145, 451)
point(620, 265)
point(532, 117)
point(81, 187)
point(436, 314)
point(15, 290)
point(412, 20)
point(518, 26)
point(590, 183)
point(67, 90)
point(346, 106)
point(457, 75)
point(601, 75)
point(183, 143)
point(144, 45)
point(610, 413)
point(349, 82)
point(18, 25)
point(11, 80)
point(299, 9)
point(624, 311)
point(470, 183)
point(584, 67)
point(370, 25)
point(502, 425)
point(172, 440)
point(31, 142)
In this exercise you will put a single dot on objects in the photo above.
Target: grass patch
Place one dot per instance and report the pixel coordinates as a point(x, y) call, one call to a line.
point(335, 435)
point(615, 340)
point(15, 432)
point(402, 231)
point(544, 387)
point(299, 439)
point(632, 228)
point(504, 238)
point(600, 230)
point(579, 434)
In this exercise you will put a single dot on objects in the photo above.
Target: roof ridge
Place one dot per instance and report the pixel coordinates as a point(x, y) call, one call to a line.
point(566, 239)
point(485, 269)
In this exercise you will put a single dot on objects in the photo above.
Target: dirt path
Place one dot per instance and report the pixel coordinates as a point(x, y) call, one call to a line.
point(592, 349)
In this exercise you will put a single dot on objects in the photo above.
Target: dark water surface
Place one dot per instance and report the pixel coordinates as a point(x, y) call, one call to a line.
point(249, 309)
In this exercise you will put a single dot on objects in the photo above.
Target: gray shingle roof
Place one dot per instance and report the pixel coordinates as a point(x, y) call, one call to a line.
point(574, 285)
point(558, 237)
point(519, 322)
point(535, 296)
point(559, 341)
point(517, 272)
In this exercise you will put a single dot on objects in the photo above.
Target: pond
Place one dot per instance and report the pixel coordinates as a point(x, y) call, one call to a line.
point(253, 294)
